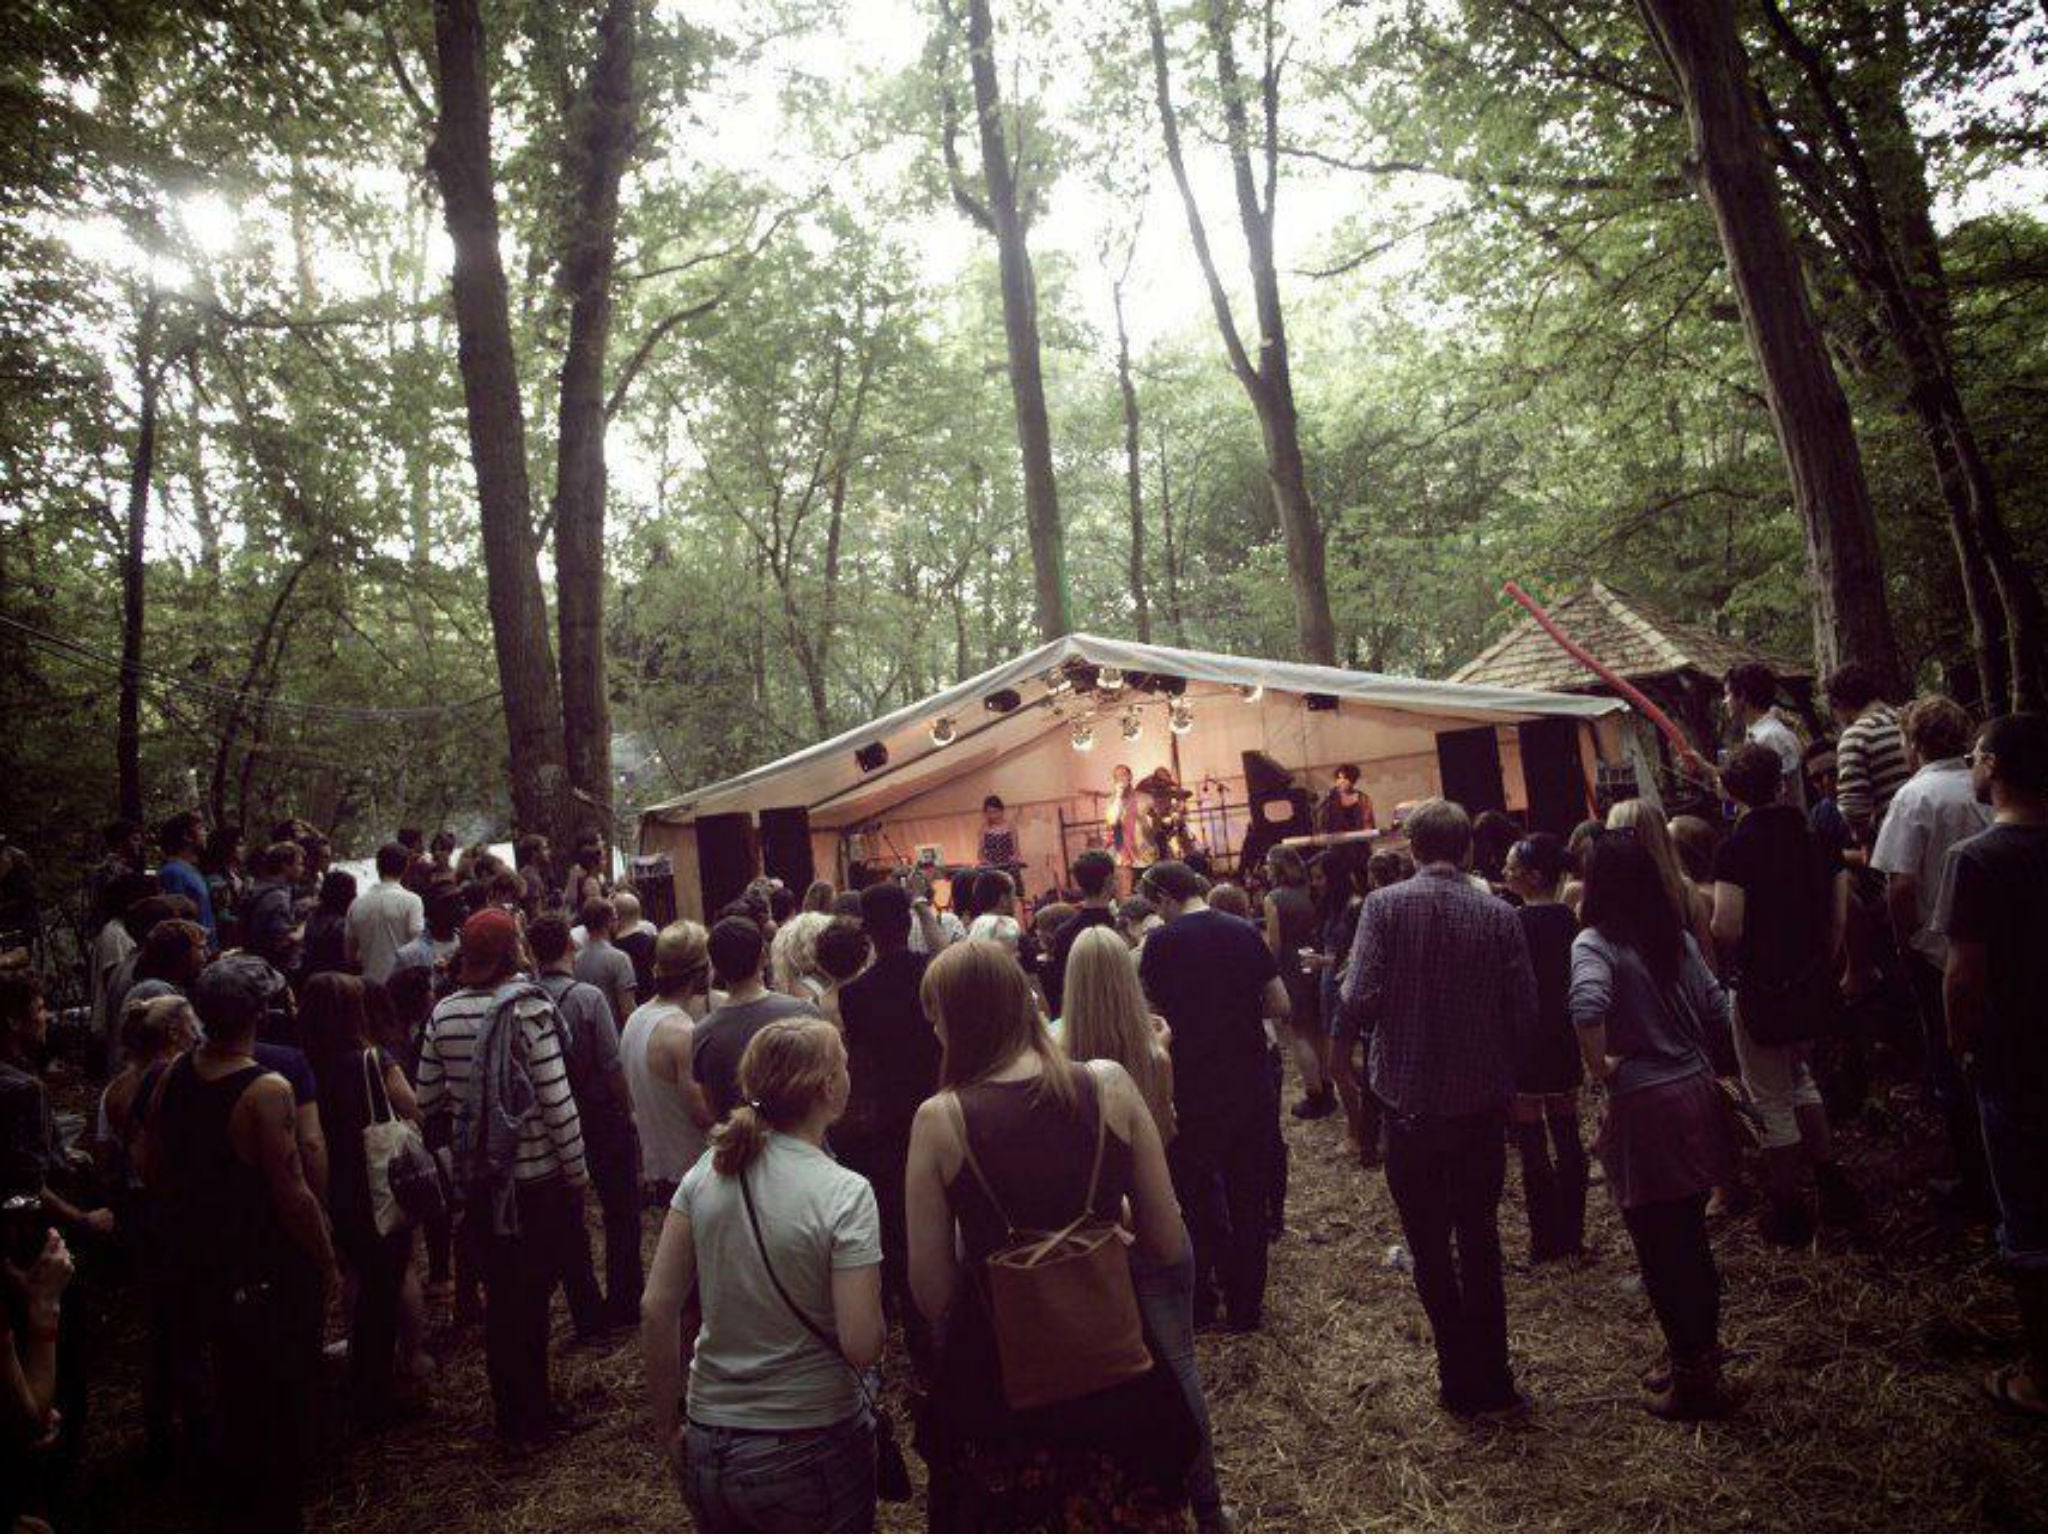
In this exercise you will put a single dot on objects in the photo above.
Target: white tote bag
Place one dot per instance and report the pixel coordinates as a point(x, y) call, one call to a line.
point(386, 1137)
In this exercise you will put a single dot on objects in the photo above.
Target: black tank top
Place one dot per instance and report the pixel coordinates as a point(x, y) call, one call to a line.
point(223, 1225)
point(1037, 1157)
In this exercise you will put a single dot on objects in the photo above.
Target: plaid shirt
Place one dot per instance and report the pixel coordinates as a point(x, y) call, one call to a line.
point(1440, 974)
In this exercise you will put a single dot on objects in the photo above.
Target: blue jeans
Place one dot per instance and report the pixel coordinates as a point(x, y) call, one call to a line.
point(2016, 1145)
point(782, 1480)
point(1166, 1301)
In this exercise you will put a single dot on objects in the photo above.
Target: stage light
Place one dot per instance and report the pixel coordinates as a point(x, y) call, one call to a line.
point(871, 756)
point(1133, 725)
point(942, 731)
point(1083, 736)
point(1180, 717)
point(1109, 679)
point(1253, 692)
point(1002, 701)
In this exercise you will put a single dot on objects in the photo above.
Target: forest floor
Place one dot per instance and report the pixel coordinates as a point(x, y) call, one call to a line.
point(1863, 1358)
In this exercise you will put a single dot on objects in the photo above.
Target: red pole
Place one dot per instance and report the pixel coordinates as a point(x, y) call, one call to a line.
point(1687, 753)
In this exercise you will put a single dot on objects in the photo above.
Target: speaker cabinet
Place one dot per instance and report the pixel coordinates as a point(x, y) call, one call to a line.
point(726, 859)
point(1468, 766)
point(1555, 777)
point(786, 845)
point(654, 878)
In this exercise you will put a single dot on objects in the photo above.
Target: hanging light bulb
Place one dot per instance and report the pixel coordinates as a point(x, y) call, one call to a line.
point(1133, 725)
point(1180, 717)
point(1083, 736)
point(1109, 679)
point(942, 731)
point(1253, 692)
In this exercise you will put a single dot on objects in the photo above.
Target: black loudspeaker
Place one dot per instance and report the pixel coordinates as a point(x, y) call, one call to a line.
point(1555, 777)
point(654, 878)
point(786, 845)
point(726, 859)
point(1320, 702)
point(1468, 764)
point(871, 756)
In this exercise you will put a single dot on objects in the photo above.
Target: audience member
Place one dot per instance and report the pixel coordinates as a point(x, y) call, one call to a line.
point(669, 1110)
point(1441, 973)
point(385, 918)
point(720, 1038)
point(602, 964)
point(1870, 753)
point(1547, 1072)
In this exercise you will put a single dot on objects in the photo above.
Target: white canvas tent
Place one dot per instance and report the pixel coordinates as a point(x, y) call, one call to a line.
point(907, 781)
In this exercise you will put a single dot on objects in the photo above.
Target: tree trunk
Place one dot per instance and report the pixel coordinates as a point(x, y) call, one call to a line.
point(460, 158)
point(600, 139)
point(231, 728)
point(1134, 468)
point(1268, 382)
point(128, 730)
point(1878, 214)
point(1808, 408)
point(1167, 551)
point(1005, 220)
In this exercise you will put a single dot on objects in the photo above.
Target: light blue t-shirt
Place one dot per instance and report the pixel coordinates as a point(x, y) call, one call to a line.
point(756, 1366)
point(181, 879)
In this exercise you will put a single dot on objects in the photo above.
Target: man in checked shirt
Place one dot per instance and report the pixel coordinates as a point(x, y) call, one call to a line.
point(521, 1270)
point(1440, 975)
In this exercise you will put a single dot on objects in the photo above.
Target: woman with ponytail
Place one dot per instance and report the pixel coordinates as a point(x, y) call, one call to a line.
point(784, 1247)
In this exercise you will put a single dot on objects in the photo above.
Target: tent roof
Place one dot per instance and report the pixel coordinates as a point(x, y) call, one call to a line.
point(824, 776)
point(1631, 636)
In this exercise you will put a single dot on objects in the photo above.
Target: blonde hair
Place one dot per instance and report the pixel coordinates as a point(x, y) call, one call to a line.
point(682, 959)
point(793, 953)
point(1651, 830)
point(1105, 1019)
point(154, 1024)
point(788, 1070)
point(980, 1000)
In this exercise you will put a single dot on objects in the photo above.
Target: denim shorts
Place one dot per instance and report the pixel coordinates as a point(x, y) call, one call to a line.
point(782, 1480)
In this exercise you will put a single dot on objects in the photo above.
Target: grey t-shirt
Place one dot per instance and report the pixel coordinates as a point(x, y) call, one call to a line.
point(756, 1366)
point(1659, 1033)
point(720, 1040)
point(609, 969)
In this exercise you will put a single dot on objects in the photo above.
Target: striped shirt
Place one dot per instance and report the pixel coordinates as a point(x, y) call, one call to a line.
point(551, 1135)
point(1870, 765)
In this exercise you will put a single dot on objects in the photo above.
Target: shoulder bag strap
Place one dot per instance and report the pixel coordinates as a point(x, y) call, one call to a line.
point(795, 1311)
point(959, 1113)
point(1101, 1142)
point(374, 1094)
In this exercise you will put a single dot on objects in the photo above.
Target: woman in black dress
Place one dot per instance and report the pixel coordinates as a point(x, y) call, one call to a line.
point(1546, 1113)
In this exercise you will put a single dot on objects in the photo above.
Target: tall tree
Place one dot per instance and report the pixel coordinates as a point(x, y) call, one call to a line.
point(1269, 382)
point(460, 158)
point(1001, 210)
point(1134, 464)
point(1854, 162)
point(1815, 433)
point(134, 571)
point(600, 139)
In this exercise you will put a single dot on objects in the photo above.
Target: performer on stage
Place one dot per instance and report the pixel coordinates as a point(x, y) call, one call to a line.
point(1346, 808)
point(1165, 820)
point(1120, 816)
point(998, 839)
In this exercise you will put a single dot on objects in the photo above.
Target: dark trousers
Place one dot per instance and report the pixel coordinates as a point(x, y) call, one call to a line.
point(879, 1153)
point(1276, 1195)
point(1679, 1277)
point(1222, 1163)
point(615, 1171)
point(1944, 1077)
point(1446, 1176)
point(263, 1349)
point(520, 1274)
point(379, 1264)
point(1554, 1178)
point(569, 1244)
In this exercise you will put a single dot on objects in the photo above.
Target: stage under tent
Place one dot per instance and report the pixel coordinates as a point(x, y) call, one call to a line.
point(1045, 731)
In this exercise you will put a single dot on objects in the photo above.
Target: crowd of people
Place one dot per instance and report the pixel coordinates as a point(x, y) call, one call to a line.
point(1045, 1145)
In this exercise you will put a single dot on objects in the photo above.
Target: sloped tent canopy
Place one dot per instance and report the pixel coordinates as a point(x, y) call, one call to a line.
point(925, 795)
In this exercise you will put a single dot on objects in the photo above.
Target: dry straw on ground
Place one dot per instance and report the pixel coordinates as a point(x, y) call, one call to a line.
point(1863, 1361)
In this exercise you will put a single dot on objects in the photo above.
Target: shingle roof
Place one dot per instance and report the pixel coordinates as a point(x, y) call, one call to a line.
point(1629, 635)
